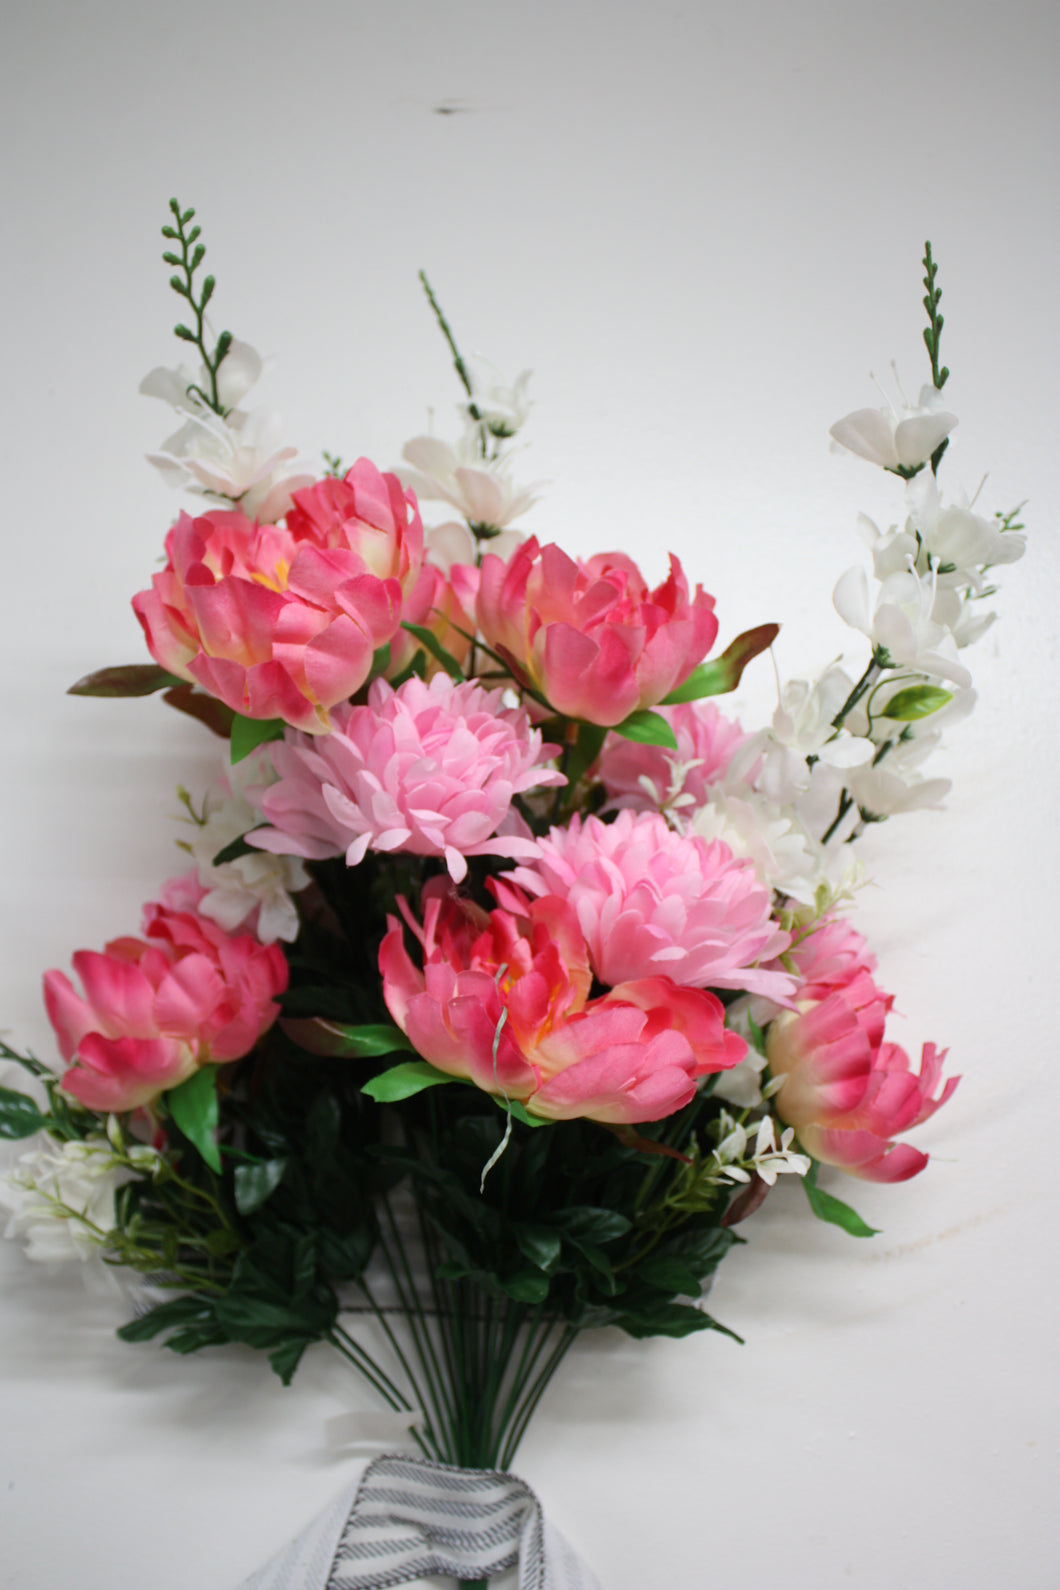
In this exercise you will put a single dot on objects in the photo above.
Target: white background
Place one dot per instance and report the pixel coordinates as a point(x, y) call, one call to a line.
point(702, 226)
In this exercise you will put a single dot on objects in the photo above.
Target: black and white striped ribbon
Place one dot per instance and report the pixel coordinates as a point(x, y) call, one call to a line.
point(409, 1518)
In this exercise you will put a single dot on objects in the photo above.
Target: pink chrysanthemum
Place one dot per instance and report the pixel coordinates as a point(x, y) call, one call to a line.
point(428, 768)
point(651, 901)
point(653, 778)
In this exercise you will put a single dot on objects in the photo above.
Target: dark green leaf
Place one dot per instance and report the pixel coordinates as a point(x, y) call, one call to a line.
point(437, 651)
point(402, 1081)
point(380, 661)
point(133, 679)
point(668, 1274)
point(526, 1287)
point(237, 848)
point(193, 1107)
point(540, 1244)
point(249, 733)
point(592, 1225)
point(586, 749)
point(336, 1040)
point(701, 1249)
point(834, 1210)
point(186, 1310)
point(672, 1319)
point(286, 1358)
point(647, 728)
point(254, 1183)
point(722, 674)
point(19, 1116)
point(919, 701)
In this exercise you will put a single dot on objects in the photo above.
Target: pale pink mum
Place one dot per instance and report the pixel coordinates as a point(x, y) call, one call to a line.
point(430, 768)
point(283, 621)
point(651, 902)
point(591, 636)
point(502, 1000)
point(154, 1009)
point(846, 1092)
point(653, 777)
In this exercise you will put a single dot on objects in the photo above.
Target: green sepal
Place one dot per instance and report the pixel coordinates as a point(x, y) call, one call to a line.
point(249, 733)
point(19, 1115)
point(437, 651)
point(718, 677)
point(194, 1108)
point(919, 701)
point(131, 679)
point(336, 1040)
point(647, 728)
point(834, 1210)
point(256, 1182)
point(402, 1081)
point(237, 847)
point(585, 750)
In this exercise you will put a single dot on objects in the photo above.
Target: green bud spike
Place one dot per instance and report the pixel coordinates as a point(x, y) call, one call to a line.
point(189, 215)
point(175, 207)
point(168, 231)
point(207, 291)
point(184, 334)
point(198, 256)
point(172, 259)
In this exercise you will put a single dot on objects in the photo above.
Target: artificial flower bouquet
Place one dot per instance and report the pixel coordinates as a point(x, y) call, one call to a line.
point(506, 972)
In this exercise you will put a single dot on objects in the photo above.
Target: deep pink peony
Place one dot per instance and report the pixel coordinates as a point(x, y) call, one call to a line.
point(502, 999)
point(155, 1009)
point(650, 901)
point(650, 778)
point(591, 637)
point(846, 1092)
point(428, 768)
point(283, 621)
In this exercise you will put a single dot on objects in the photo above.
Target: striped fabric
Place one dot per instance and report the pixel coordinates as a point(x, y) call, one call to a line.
point(409, 1518)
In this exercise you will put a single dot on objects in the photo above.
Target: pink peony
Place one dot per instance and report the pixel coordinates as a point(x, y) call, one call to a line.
point(155, 1009)
point(502, 1000)
point(846, 1092)
point(428, 768)
point(651, 777)
point(651, 901)
point(591, 637)
point(283, 622)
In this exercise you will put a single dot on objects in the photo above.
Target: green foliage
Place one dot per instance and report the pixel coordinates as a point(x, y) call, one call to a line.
point(19, 1115)
point(194, 1108)
point(249, 733)
point(186, 263)
point(338, 1040)
point(647, 728)
point(404, 1081)
point(919, 701)
point(437, 651)
point(722, 674)
point(834, 1210)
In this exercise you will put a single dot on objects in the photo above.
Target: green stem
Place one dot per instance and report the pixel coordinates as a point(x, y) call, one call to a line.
point(535, 1394)
point(458, 361)
point(845, 803)
point(366, 1366)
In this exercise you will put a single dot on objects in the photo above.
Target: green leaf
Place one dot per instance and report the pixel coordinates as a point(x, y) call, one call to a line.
point(668, 1274)
point(919, 701)
point(193, 1107)
point(647, 728)
point(237, 847)
point(722, 674)
point(834, 1210)
point(19, 1116)
point(437, 651)
point(335, 1040)
point(585, 1223)
point(380, 661)
point(249, 733)
point(402, 1081)
point(188, 1310)
point(527, 1287)
point(256, 1182)
point(540, 1244)
point(133, 679)
point(521, 1113)
point(672, 1319)
point(286, 1358)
